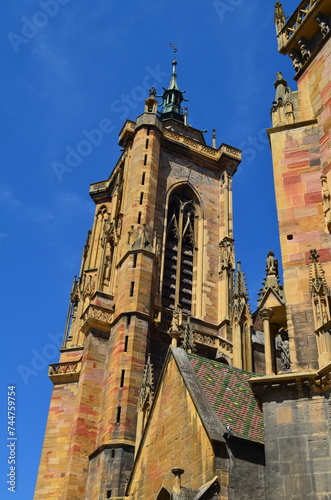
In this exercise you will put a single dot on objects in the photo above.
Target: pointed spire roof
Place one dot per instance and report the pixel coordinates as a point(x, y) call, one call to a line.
point(240, 289)
point(317, 281)
point(172, 99)
point(271, 283)
point(188, 343)
point(240, 299)
point(173, 81)
point(280, 17)
point(147, 386)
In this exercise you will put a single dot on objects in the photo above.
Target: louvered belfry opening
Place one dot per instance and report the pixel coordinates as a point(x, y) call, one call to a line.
point(179, 250)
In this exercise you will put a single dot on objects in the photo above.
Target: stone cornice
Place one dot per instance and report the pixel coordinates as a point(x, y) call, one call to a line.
point(203, 149)
point(316, 380)
point(230, 156)
point(109, 446)
point(281, 128)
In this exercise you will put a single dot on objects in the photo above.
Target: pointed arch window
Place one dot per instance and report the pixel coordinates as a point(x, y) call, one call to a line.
point(180, 250)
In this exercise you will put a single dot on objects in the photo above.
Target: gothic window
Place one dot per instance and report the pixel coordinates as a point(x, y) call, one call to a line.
point(179, 250)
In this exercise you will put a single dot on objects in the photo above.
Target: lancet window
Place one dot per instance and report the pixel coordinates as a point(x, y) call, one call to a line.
point(180, 247)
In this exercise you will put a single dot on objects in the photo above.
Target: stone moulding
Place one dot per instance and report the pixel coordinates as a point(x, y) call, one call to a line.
point(224, 151)
point(296, 20)
point(205, 338)
point(214, 154)
point(222, 345)
point(64, 373)
point(97, 318)
point(317, 381)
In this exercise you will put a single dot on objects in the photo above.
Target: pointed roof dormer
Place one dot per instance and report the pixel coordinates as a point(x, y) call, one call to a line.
point(272, 291)
point(172, 99)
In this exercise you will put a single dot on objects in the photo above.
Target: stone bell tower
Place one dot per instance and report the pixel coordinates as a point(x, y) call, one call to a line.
point(161, 243)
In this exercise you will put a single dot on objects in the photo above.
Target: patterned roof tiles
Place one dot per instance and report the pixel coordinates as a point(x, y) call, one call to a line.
point(229, 393)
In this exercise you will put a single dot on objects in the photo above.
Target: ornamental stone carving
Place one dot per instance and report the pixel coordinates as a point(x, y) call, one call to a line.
point(61, 373)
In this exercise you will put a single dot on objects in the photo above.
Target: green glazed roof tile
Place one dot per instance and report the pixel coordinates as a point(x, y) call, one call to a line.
point(228, 390)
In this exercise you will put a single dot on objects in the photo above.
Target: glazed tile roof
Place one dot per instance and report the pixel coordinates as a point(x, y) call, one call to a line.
point(230, 395)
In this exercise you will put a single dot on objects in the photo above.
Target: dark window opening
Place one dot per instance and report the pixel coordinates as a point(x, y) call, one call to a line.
point(147, 141)
point(179, 251)
point(126, 342)
point(139, 218)
point(122, 378)
point(141, 198)
point(128, 320)
point(134, 264)
point(290, 236)
point(108, 494)
point(143, 178)
point(112, 454)
point(118, 416)
point(131, 288)
point(145, 160)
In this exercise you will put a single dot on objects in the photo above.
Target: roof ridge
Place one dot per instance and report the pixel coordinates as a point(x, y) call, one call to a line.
point(215, 362)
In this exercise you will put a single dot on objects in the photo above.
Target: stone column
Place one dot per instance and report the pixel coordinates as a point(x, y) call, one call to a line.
point(266, 314)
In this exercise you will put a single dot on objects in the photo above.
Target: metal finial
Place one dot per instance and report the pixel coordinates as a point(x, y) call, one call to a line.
point(213, 139)
point(174, 46)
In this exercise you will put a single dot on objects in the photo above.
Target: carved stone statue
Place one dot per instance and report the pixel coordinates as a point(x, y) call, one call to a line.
point(326, 200)
point(304, 48)
point(296, 59)
point(284, 347)
point(323, 24)
point(271, 263)
point(177, 321)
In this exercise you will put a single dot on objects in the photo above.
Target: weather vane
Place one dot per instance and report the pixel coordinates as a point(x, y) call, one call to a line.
point(174, 46)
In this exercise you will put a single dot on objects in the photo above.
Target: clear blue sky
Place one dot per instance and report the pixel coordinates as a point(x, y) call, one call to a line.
point(67, 65)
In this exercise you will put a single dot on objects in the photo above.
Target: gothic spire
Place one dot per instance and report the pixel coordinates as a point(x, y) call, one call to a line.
point(240, 296)
point(279, 18)
point(172, 98)
point(188, 343)
point(240, 289)
point(147, 387)
point(280, 21)
point(317, 282)
point(271, 281)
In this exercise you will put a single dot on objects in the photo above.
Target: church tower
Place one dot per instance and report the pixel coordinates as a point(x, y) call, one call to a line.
point(159, 259)
point(300, 143)
point(295, 395)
